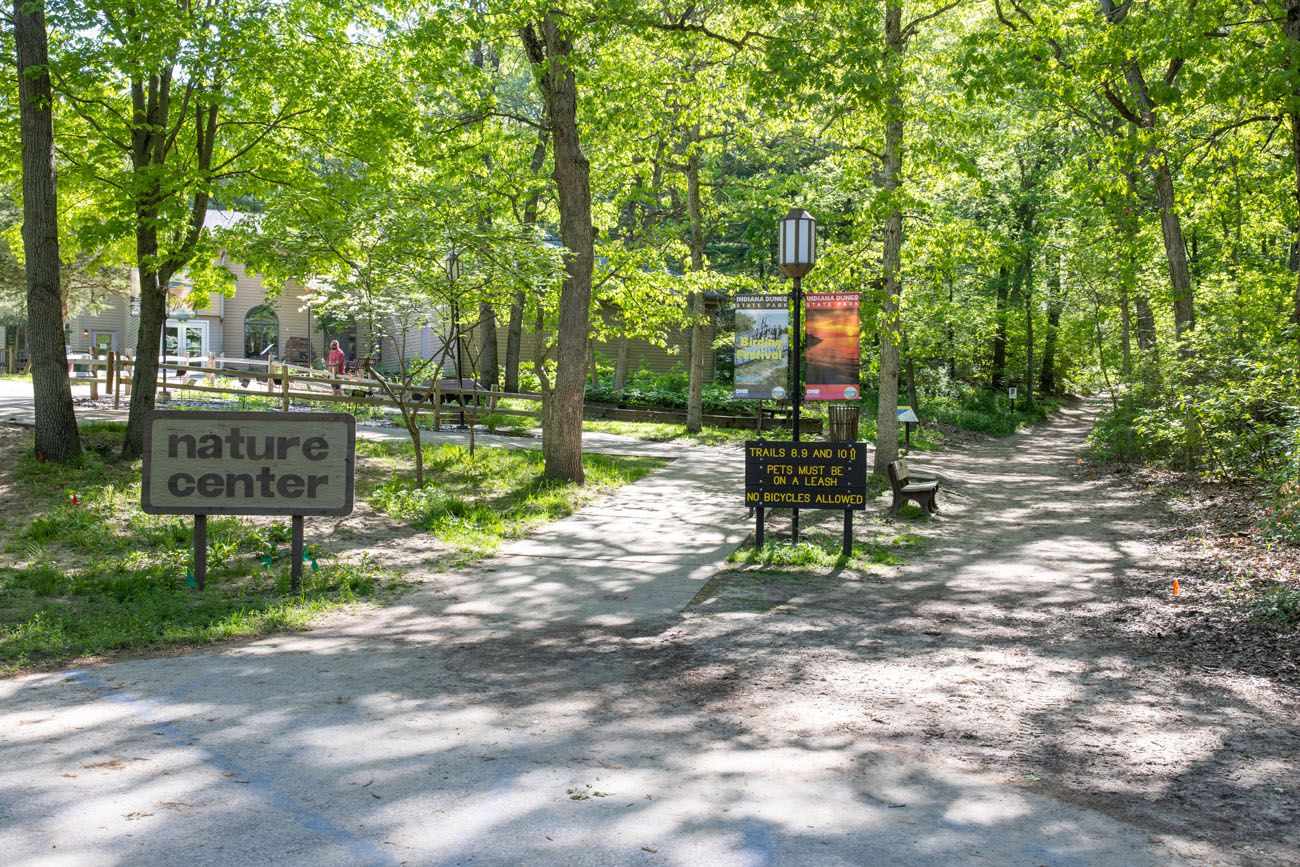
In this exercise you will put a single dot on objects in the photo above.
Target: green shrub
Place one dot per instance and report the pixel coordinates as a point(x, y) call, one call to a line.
point(1279, 605)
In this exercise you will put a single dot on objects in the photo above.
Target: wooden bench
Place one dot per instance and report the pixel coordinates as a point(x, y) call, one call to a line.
point(923, 491)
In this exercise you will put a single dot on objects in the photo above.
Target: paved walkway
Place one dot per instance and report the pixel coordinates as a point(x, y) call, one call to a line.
point(514, 716)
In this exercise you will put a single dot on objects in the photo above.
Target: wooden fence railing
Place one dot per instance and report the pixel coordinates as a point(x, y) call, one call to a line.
point(287, 383)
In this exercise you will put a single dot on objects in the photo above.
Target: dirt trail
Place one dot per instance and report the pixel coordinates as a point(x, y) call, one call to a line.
point(1007, 645)
point(983, 704)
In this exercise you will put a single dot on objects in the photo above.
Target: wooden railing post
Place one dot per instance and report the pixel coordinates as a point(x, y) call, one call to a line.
point(110, 375)
point(284, 388)
point(94, 375)
point(437, 404)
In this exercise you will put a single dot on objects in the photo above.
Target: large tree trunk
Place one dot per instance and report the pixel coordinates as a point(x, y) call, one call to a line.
point(695, 397)
point(550, 52)
point(1291, 29)
point(57, 438)
point(890, 325)
point(1176, 254)
point(489, 370)
point(153, 315)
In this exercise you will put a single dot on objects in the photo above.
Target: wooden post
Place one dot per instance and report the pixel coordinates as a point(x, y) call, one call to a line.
point(110, 375)
point(270, 380)
point(284, 388)
point(758, 528)
point(94, 376)
point(201, 550)
point(847, 550)
point(437, 404)
point(295, 554)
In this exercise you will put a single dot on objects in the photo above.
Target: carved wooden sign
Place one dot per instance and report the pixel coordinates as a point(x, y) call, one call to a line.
point(248, 463)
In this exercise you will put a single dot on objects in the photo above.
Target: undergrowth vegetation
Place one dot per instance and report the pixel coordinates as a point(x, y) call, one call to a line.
point(95, 575)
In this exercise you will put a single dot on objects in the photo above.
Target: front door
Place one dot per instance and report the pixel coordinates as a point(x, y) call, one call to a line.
point(103, 342)
point(187, 339)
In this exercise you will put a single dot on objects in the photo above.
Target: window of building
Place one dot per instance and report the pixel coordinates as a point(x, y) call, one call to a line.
point(261, 331)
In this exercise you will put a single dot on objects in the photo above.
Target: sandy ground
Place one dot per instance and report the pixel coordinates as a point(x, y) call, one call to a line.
point(1014, 643)
point(988, 702)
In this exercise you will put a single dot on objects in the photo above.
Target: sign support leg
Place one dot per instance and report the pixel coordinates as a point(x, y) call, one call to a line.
point(758, 528)
point(201, 550)
point(295, 554)
point(847, 550)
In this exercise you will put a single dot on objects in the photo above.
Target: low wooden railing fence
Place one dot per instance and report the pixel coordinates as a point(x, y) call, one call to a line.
point(286, 383)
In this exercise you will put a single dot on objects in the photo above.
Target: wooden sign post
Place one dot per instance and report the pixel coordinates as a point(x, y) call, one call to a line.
point(248, 463)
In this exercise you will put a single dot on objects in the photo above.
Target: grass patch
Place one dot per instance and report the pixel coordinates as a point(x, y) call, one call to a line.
point(821, 549)
point(100, 576)
point(661, 432)
point(474, 502)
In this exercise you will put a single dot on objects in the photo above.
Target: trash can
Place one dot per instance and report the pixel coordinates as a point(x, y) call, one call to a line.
point(844, 423)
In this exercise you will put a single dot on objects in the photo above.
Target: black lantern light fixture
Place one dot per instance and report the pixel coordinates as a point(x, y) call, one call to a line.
point(797, 255)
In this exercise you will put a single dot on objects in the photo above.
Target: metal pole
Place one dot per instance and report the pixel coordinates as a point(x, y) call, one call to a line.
point(797, 393)
point(295, 554)
point(460, 380)
point(201, 550)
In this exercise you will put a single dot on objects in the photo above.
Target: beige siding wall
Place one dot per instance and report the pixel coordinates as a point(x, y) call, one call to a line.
point(289, 308)
point(112, 318)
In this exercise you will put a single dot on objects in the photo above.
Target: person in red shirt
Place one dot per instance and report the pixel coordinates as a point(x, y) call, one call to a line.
point(337, 361)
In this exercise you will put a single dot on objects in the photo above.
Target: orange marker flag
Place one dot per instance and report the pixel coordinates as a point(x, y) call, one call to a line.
point(1175, 586)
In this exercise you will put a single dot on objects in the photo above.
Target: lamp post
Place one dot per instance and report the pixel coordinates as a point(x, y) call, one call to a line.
point(453, 274)
point(797, 255)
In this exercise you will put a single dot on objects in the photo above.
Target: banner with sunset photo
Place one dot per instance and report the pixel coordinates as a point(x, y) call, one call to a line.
point(833, 351)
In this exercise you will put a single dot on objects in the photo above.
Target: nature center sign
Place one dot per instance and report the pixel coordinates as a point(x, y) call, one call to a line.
point(248, 463)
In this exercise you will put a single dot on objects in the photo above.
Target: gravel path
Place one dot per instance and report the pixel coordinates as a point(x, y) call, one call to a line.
point(979, 705)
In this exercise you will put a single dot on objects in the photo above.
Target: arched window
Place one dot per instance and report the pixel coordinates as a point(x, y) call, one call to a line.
point(261, 331)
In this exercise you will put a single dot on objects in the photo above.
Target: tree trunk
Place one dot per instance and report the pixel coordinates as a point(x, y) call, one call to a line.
point(1029, 330)
point(890, 326)
point(620, 363)
point(1146, 323)
point(515, 332)
point(549, 50)
point(695, 397)
point(998, 378)
point(57, 438)
point(952, 338)
point(1176, 254)
point(489, 370)
point(1291, 29)
point(909, 370)
point(1047, 380)
point(514, 337)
